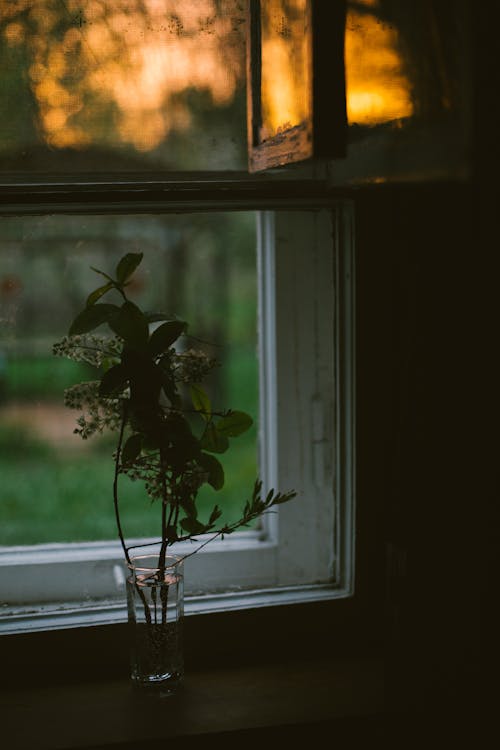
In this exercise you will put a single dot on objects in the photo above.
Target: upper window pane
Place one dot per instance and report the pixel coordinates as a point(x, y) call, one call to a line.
point(377, 83)
point(404, 62)
point(122, 85)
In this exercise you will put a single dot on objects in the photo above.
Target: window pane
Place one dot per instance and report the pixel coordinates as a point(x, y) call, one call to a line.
point(55, 486)
point(405, 62)
point(122, 85)
point(286, 61)
point(377, 86)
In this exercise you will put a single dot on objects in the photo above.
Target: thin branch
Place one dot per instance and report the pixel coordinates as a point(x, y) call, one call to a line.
point(225, 530)
point(207, 541)
point(115, 486)
point(146, 544)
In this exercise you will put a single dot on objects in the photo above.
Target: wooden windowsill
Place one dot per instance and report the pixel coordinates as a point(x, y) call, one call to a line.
point(215, 703)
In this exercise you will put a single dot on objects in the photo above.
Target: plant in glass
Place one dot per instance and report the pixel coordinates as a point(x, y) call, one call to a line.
point(150, 393)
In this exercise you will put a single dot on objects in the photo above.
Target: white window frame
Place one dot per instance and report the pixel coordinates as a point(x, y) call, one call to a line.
point(305, 552)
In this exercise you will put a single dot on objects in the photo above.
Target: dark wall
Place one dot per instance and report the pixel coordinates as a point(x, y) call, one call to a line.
point(427, 430)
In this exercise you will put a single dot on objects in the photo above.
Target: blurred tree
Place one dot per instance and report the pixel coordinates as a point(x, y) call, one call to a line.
point(164, 81)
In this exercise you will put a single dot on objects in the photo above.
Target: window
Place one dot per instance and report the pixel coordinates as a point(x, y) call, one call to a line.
point(305, 267)
point(200, 267)
point(305, 442)
point(296, 90)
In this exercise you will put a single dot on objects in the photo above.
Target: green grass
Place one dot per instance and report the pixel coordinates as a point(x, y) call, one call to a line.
point(56, 499)
point(57, 495)
point(43, 377)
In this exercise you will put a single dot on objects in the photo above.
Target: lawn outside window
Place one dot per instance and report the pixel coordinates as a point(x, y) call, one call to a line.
point(305, 442)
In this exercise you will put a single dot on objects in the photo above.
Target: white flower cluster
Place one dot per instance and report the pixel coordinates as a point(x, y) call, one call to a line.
point(148, 470)
point(98, 413)
point(192, 366)
point(148, 473)
point(89, 348)
point(82, 394)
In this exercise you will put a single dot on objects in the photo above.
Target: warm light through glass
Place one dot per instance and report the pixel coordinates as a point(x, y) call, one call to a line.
point(286, 51)
point(377, 88)
point(123, 72)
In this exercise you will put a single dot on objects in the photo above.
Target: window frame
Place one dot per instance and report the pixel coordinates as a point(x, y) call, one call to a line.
point(266, 195)
point(323, 135)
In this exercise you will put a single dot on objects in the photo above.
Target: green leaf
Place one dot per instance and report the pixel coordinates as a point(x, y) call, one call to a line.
point(101, 273)
point(131, 324)
point(155, 317)
point(192, 526)
point(169, 388)
point(213, 441)
point(132, 448)
point(283, 498)
point(234, 424)
point(214, 515)
point(92, 317)
point(201, 401)
point(113, 380)
point(98, 293)
point(214, 469)
point(189, 507)
point(165, 335)
point(127, 266)
point(108, 363)
point(171, 534)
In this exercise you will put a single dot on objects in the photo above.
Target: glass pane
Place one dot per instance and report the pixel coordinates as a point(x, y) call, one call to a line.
point(57, 487)
point(286, 63)
point(122, 85)
point(377, 86)
point(405, 62)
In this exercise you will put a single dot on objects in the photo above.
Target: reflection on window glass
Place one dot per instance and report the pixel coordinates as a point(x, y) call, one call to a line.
point(56, 487)
point(377, 87)
point(122, 85)
point(286, 61)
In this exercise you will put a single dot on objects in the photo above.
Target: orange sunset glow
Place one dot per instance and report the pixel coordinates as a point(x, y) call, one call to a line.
point(377, 90)
point(286, 59)
point(113, 72)
point(129, 59)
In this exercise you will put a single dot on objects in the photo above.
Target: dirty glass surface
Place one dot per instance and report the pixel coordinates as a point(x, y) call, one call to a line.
point(122, 86)
point(404, 62)
point(285, 66)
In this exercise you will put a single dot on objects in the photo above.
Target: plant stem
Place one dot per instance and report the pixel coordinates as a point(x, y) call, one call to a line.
point(163, 549)
point(115, 485)
point(147, 613)
point(164, 541)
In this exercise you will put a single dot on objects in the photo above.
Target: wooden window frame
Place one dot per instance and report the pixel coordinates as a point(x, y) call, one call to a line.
point(324, 135)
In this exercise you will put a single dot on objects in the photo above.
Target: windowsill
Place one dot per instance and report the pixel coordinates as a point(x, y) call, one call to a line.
point(56, 617)
point(99, 570)
point(283, 697)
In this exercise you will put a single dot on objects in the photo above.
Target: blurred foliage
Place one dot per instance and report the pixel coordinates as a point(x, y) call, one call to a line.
point(62, 68)
point(127, 86)
point(41, 378)
point(20, 445)
point(205, 266)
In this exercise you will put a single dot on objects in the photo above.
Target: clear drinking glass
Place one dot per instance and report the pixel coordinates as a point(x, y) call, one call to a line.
point(155, 597)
